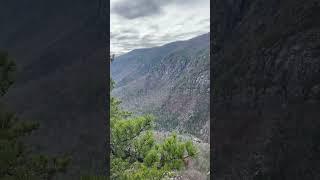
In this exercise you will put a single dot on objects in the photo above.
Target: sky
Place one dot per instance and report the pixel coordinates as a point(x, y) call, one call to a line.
point(148, 23)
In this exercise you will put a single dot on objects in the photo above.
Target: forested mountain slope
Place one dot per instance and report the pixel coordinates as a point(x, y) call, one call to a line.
point(59, 49)
point(171, 82)
point(266, 61)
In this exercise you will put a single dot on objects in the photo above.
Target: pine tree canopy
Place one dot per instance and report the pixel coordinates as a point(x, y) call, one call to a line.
point(17, 161)
point(136, 154)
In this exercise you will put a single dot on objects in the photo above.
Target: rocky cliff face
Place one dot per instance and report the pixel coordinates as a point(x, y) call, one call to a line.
point(266, 61)
point(59, 48)
point(171, 82)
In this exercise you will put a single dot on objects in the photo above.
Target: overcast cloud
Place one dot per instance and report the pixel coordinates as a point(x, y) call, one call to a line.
point(148, 23)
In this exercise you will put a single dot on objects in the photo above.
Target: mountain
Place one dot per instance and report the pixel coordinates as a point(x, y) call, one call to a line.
point(59, 48)
point(170, 81)
point(266, 60)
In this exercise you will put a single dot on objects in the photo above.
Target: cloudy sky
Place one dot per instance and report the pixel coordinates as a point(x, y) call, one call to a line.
point(148, 23)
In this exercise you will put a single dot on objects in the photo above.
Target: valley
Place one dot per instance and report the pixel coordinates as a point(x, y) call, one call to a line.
point(171, 82)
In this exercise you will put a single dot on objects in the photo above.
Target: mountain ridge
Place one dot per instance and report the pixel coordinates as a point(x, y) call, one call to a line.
point(150, 80)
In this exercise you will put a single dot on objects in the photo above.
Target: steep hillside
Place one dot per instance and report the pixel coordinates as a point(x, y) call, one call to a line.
point(59, 48)
point(171, 82)
point(266, 60)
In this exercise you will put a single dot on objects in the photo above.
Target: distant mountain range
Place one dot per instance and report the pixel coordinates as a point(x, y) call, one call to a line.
point(170, 81)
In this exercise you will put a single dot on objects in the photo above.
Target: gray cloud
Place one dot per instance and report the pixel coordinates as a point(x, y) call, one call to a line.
point(125, 36)
point(130, 31)
point(205, 23)
point(180, 20)
point(132, 9)
point(112, 35)
point(154, 27)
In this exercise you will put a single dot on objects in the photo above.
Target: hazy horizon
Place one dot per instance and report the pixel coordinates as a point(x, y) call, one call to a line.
point(160, 45)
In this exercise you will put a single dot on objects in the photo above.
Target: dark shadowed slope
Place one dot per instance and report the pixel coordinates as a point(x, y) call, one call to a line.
point(59, 47)
point(266, 86)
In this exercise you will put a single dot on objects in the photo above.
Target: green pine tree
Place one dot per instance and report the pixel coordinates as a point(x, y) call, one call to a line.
point(136, 155)
point(17, 162)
